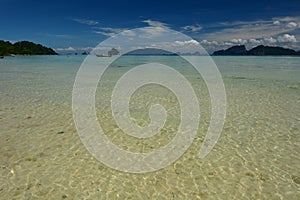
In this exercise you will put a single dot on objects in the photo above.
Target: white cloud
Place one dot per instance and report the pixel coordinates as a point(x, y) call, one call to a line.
point(228, 44)
point(238, 41)
point(287, 38)
point(108, 31)
point(244, 32)
point(205, 42)
point(214, 43)
point(152, 32)
point(85, 21)
point(188, 42)
point(270, 40)
point(252, 29)
point(254, 42)
point(280, 31)
point(12, 41)
point(155, 23)
point(240, 23)
point(66, 49)
point(287, 19)
point(109, 34)
point(128, 33)
point(291, 25)
point(113, 30)
point(193, 28)
point(211, 46)
point(85, 48)
point(70, 49)
point(73, 49)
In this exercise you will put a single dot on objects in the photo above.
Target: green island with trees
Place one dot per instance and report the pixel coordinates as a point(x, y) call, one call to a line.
point(24, 48)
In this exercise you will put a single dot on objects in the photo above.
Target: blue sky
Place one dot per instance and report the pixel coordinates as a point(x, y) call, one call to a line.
point(80, 25)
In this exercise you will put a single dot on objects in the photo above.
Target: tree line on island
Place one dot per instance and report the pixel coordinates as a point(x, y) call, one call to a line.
point(29, 48)
point(260, 50)
point(24, 48)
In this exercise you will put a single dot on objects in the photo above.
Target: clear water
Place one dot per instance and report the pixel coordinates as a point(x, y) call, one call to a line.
point(256, 157)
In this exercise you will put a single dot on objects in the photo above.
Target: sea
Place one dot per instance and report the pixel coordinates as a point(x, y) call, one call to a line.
point(256, 156)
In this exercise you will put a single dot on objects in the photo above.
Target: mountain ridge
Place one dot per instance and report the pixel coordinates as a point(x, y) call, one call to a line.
point(260, 50)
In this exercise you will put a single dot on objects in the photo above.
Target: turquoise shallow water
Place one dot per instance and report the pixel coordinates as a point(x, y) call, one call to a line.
point(256, 157)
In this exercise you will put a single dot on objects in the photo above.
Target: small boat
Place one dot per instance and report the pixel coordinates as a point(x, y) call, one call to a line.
point(1, 57)
point(103, 55)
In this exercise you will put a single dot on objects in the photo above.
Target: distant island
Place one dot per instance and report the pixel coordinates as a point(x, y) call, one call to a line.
point(110, 53)
point(260, 50)
point(150, 52)
point(24, 48)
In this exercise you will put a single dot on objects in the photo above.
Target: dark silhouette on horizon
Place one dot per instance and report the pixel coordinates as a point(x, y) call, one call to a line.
point(24, 48)
point(261, 50)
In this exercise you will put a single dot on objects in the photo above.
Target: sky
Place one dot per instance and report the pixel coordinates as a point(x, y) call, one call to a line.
point(70, 26)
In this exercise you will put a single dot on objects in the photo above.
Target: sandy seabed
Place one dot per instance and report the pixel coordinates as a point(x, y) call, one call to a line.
point(256, 157)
